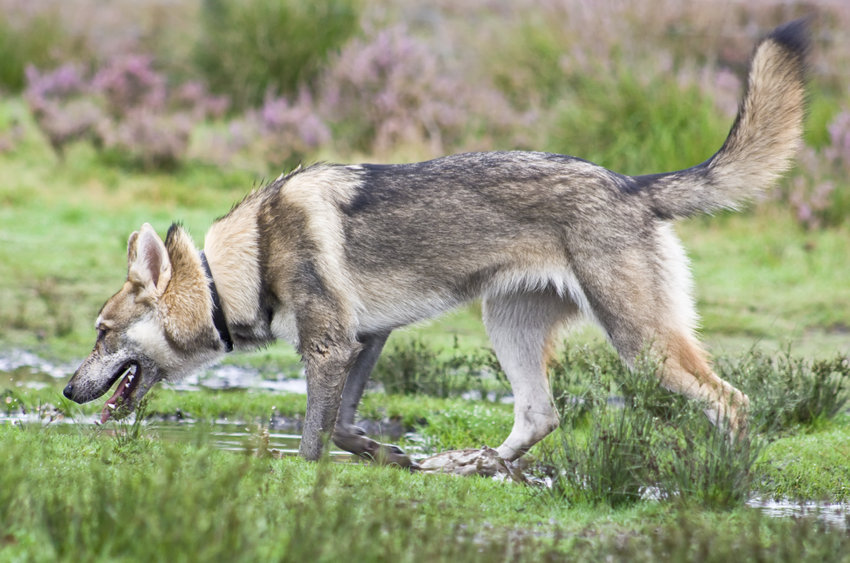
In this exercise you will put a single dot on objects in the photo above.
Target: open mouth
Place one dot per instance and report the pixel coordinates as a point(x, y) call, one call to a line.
point(130, 374)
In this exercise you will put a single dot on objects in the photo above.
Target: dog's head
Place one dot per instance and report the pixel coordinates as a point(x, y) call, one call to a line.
point(158, 326)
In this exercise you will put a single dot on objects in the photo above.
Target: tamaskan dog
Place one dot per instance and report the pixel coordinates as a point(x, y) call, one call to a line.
point(332, 258)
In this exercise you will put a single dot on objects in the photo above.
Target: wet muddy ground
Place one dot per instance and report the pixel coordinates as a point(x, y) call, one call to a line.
point(278, 436)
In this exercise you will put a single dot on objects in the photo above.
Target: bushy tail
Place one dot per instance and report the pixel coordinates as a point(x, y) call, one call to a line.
point(762, 142)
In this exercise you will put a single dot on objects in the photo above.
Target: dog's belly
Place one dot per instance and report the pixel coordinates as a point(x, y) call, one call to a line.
point(394, 303)
point(402, 308)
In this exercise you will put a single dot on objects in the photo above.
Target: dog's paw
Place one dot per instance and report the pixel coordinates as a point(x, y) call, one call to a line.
point(353, 439)
point(388, 454)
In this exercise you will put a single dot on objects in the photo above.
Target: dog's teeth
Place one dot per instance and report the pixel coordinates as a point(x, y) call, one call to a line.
point(111, 406)
point(129, 379)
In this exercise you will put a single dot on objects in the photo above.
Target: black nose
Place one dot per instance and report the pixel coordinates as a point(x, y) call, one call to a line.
point(69, 391)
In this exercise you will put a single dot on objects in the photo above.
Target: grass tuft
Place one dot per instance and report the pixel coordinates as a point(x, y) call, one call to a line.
point(411, 366)
point(786, 391)
point(710, 470)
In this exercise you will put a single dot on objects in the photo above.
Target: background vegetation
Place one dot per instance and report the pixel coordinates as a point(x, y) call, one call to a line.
point(116, 113)
point(139, 111)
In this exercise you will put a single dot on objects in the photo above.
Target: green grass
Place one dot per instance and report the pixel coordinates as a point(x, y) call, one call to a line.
point(64, 226)
point(80, 492)
point(808, 465)
point(758, 277)
point(85, 495)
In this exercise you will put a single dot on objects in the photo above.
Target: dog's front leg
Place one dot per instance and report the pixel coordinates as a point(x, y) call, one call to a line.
point(348, 436)
point(327, 357)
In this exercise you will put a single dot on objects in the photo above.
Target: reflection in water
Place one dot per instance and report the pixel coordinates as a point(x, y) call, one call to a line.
point(20, 369)
point(224, 435)
point(832, 513)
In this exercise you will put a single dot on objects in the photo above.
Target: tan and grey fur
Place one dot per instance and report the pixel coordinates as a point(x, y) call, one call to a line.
point(332, 258)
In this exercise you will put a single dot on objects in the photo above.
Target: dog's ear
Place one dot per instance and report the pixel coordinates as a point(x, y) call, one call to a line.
point(148, 265)
point(187, 300)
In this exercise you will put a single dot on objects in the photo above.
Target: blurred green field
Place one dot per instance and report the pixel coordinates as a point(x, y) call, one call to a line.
point(615, 85)
point(760, 278)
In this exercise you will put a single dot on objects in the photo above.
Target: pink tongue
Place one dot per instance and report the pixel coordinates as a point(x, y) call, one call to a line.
point(107, 411)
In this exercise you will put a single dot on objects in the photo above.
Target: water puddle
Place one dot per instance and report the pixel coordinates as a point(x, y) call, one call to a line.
point(19, 368)
point(21, 362)
point(238, 377)
point(833, 514)
point(24, 369)
point(277, 440)
point(278, 437)
point(236, 437)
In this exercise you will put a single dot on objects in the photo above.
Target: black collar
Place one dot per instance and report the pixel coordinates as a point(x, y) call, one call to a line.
point(217, 313)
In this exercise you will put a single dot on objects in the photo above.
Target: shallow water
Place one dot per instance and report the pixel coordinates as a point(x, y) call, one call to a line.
point(237, 437)
point(279, 436)
point(22, 363)
point(19, 368)
point(222, 434)
point(832, 513)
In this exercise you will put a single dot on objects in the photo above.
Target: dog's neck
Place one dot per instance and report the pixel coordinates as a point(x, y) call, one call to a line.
point(217, 313)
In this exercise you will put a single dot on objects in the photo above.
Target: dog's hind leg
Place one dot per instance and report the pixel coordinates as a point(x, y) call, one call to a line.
point(642, 300)
point(358, 376)
point(687, 371)
point(521, 328)
point(350, 437)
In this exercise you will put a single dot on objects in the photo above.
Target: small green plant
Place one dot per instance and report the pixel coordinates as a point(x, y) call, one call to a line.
point(605, 450)
point(581, 380)
point(406, 367)
point(786, 391)
point(586, 377)
point(610, 463)
point(411, 366)
point(708, 468)
point(633, 437)
point(626, 453)
point(128, 434)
